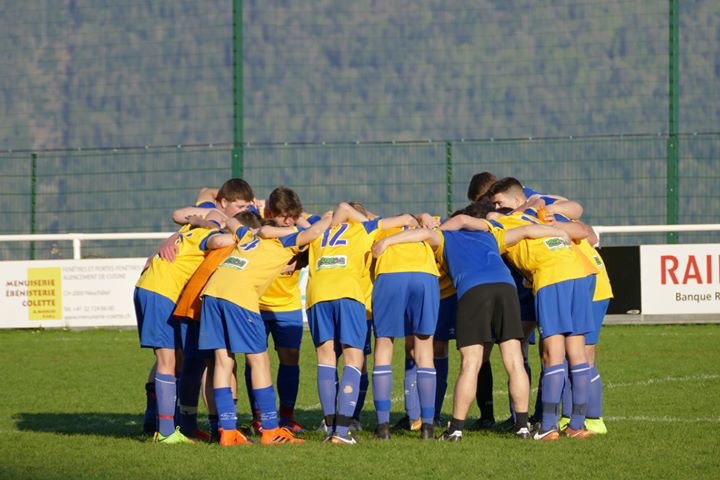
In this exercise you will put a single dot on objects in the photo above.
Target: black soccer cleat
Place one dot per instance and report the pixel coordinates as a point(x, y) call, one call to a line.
point(382, 431)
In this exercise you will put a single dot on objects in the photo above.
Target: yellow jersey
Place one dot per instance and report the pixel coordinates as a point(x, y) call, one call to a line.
point(169, 278)
point(338, 260)
point(603, 290)
point(283, 295)
point(250, 269)
point(543, 261)
point(405, 257)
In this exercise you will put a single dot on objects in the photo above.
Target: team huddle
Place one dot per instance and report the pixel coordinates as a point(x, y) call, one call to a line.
point(509, 263)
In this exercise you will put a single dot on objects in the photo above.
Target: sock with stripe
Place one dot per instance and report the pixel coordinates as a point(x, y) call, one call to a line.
point(594, 409)
point(441, 367)
point(347, 398)
point(580, 375)
point(426, 386)
point(382, 391)
point(165, 390)
point(412, 401)
point(266, 403)
point(553, 380)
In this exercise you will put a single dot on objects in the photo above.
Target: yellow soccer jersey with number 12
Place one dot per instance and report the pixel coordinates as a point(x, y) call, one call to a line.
point(338, 260)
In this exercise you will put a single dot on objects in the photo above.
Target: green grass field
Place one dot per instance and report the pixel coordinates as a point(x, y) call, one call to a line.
point(72, 401)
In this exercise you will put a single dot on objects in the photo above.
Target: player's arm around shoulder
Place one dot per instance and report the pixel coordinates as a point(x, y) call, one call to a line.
point(308, 235)
point(515, 235)
point(465, 222)
point(344, 213)
point(432, 237)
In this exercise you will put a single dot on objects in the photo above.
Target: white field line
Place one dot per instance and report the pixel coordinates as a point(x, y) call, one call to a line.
point(663, 419)
point(607, 385)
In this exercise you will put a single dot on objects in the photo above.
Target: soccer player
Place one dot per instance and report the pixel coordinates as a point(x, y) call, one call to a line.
point(336, 311)
point(231, 324)
point(281, 310)
point(561, 281)
point(234, 196)
point(406, 299)
point(488, 309)
point(156, 292)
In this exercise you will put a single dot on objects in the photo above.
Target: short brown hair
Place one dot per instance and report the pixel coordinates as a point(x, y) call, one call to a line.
point(283, 201)
point(235, 189)
point(480, 183)
point(504, 185)
point(249, 219)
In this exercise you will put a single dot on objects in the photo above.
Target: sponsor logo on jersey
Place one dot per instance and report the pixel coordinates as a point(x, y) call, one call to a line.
point(334, 261)
point(555, 243)
point(237, 263)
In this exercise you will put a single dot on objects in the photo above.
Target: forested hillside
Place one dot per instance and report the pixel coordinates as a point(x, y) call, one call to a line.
point(101, 73)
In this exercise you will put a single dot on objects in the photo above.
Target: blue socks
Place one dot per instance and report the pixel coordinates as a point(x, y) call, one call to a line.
point(382, 391)
point(412, 401)
point(165, 390)
point(265, 401)
point(552, 385)
point(288, 381)
point(347, 398)
point(441, 368)
point(327, 390)
point(580, 375)
point(426, 386)
point(594, 409)
point(227, 415)
point(362, 393)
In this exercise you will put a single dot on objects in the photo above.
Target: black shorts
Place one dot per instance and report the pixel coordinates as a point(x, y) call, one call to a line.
point(488, 313)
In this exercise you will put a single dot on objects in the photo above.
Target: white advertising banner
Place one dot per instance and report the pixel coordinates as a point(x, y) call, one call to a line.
point(680, 279)
point(69, 293)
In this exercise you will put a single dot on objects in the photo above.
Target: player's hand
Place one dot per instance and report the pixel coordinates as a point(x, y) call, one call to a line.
point(428, 221)
point(378, 248)
point(168, 249)
point(259, 204)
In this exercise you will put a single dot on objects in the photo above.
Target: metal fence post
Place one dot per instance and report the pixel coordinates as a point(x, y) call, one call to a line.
point(449, 177)
point(33, 201)
point(237, 163)
point(673, 151)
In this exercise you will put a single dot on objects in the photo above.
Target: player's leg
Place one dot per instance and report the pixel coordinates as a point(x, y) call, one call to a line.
point(322, 330)
point(287, 332)
point(465, 389)
point(352, 334)
point(382, 384)
point(594, 421)
point(190, 380)
point(444, 332)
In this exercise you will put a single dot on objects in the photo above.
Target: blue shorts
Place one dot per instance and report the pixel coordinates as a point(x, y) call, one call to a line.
point(565, 308)
point(341, 320)
point(447, 318)
point(225, 325)
point(599, 309)
point(405, 304)
point(190, 333)
point(286, 327)
point(157, 328)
